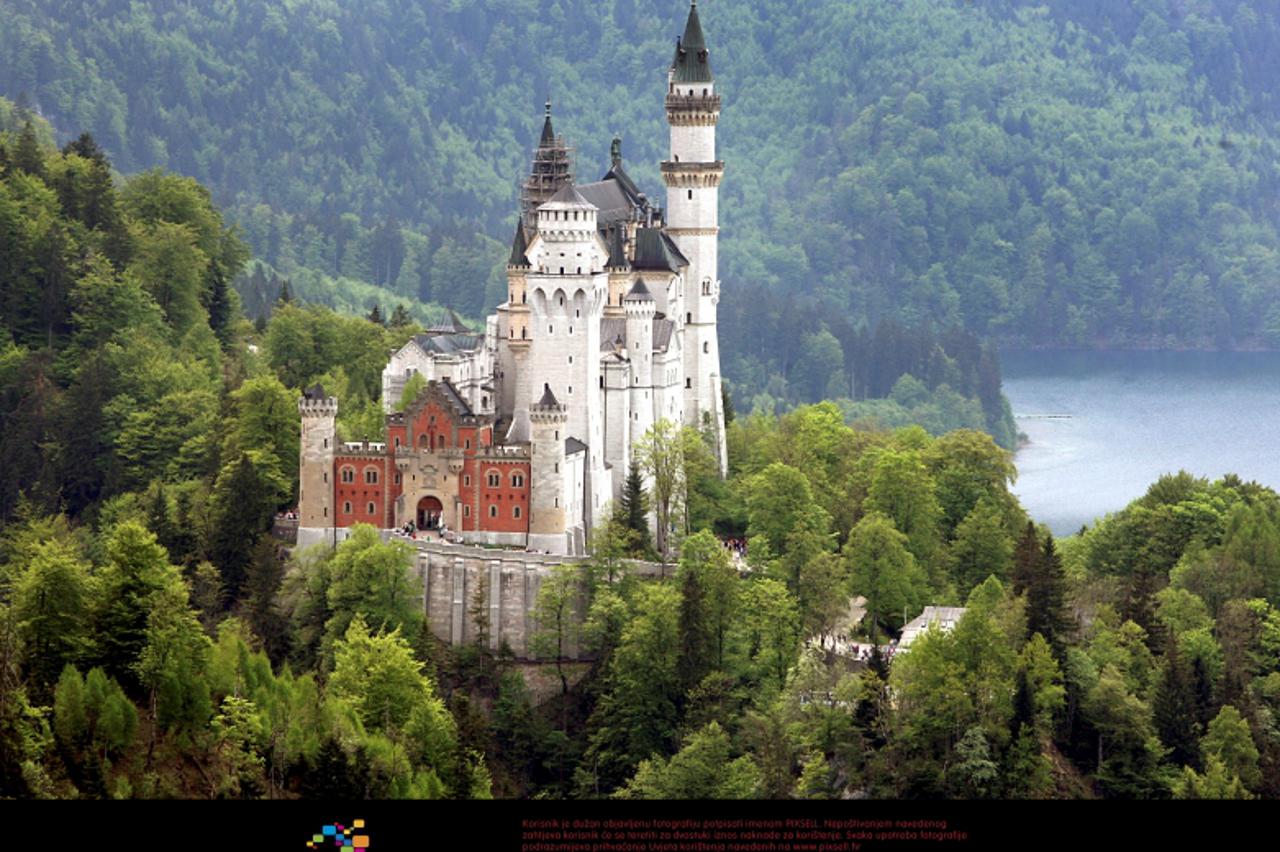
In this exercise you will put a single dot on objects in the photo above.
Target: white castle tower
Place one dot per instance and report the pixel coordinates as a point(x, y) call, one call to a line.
point(692, 176)
point(567, 289)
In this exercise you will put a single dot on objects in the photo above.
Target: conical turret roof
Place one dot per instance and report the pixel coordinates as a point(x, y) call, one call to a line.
point(548, 134)
point(518, 247)
point(692, 61)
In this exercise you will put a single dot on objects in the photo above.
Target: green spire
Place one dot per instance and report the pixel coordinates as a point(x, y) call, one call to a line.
point(691, 63)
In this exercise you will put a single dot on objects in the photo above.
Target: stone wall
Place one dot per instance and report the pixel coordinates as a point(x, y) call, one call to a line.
point(470, 590)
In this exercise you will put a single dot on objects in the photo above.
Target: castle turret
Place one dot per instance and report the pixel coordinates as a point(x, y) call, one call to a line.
point(641, 308)
point(515, 359)
point(315, 469)
point(692, 176)
point(547, 419)
point(619, 269)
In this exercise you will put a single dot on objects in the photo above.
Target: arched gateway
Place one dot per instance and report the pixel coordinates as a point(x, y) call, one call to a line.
point(430, 510)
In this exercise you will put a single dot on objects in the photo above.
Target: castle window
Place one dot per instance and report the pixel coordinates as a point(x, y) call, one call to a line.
point(688, 383)
point(557, 467)
point(466, 511)
point(373, 509)
point(371, 476)
point(570, 359)
point(326, 511)
point(515, 512)
point(577, 313)
point(562, 299)
point(397, 479)
point(557, 502)
point(602, 381)
point(688, 317)
point(706, 287)
point(466, 481)
point(440, 442)
point(562, 273)
point(524, 298)
point(326, 443)
point(493, 511)
point(346, 507)
point(551, 329)
point(524, 332)
point(706, 346)
point(397, 443)
point(517, 480)
point(570, 390)
point(466, 445)
point(691, 195)
point(326, 476)
point(494, 478)
point(348, 474)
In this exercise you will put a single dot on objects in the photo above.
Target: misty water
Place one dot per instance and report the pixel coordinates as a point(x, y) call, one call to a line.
point(1104, 425)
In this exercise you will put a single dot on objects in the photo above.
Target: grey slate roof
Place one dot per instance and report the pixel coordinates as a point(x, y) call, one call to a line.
point(455, 399)
point(617, 251)
point(610, 331)
point(691, 61)
point(639, 293)
point(548, 398)
point(520, 430)
point(568, 194)
point(662, 329)
point(548, 135)
point(655, 250)
point(518, 248)
point(609, 198)
point(448, 343)
point(573, 445)
point(316, 391)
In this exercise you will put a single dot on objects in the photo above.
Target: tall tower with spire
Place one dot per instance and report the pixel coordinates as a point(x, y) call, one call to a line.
point(692, 176)
point(552, 168)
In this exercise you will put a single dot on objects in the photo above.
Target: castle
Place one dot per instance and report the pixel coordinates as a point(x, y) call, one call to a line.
point(525, 431)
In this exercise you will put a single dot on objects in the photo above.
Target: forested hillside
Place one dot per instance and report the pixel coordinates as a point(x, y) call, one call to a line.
point(156, 641)
point(1050, 173)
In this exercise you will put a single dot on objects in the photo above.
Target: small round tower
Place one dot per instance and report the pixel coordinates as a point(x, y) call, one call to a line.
point(318, 413)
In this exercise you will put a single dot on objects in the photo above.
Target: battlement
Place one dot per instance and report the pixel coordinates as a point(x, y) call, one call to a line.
point(326, 407)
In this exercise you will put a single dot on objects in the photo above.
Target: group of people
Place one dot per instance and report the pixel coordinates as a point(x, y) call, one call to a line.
point(410, 530)
point(861, 651)
point(736, 546)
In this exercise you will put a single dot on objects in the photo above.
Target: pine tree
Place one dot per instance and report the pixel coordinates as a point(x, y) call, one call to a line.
point(634, 507)
point(1026, 559)
point(696, 646)
point(1046, 600)
point(1174, 710)
point(27, 157)
point(285, 296)
point(218, 304)
point(400, 317)
point(375, 315)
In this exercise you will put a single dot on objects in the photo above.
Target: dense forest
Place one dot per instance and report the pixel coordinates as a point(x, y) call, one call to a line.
point(1040, 173)
point(156, 641)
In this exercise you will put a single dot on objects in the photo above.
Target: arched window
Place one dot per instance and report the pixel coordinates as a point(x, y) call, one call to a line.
point(346, 507)
point(370, 476)
point(348, 474)
point(373, 509)
point(517, 480)
point(494, 479)
point(398, 480)
point(493, 511)
point(515, 512)
point(706, 346)
point(466, 511)
point(466, 481)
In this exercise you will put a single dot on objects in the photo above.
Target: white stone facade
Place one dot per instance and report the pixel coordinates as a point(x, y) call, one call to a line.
point(610, 321)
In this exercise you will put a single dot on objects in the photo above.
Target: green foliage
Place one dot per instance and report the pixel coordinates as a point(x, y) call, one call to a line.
point(369, 579)
point(702, 769)
point(883, 570)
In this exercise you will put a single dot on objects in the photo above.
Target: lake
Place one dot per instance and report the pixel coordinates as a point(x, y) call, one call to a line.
point(1104, 425)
